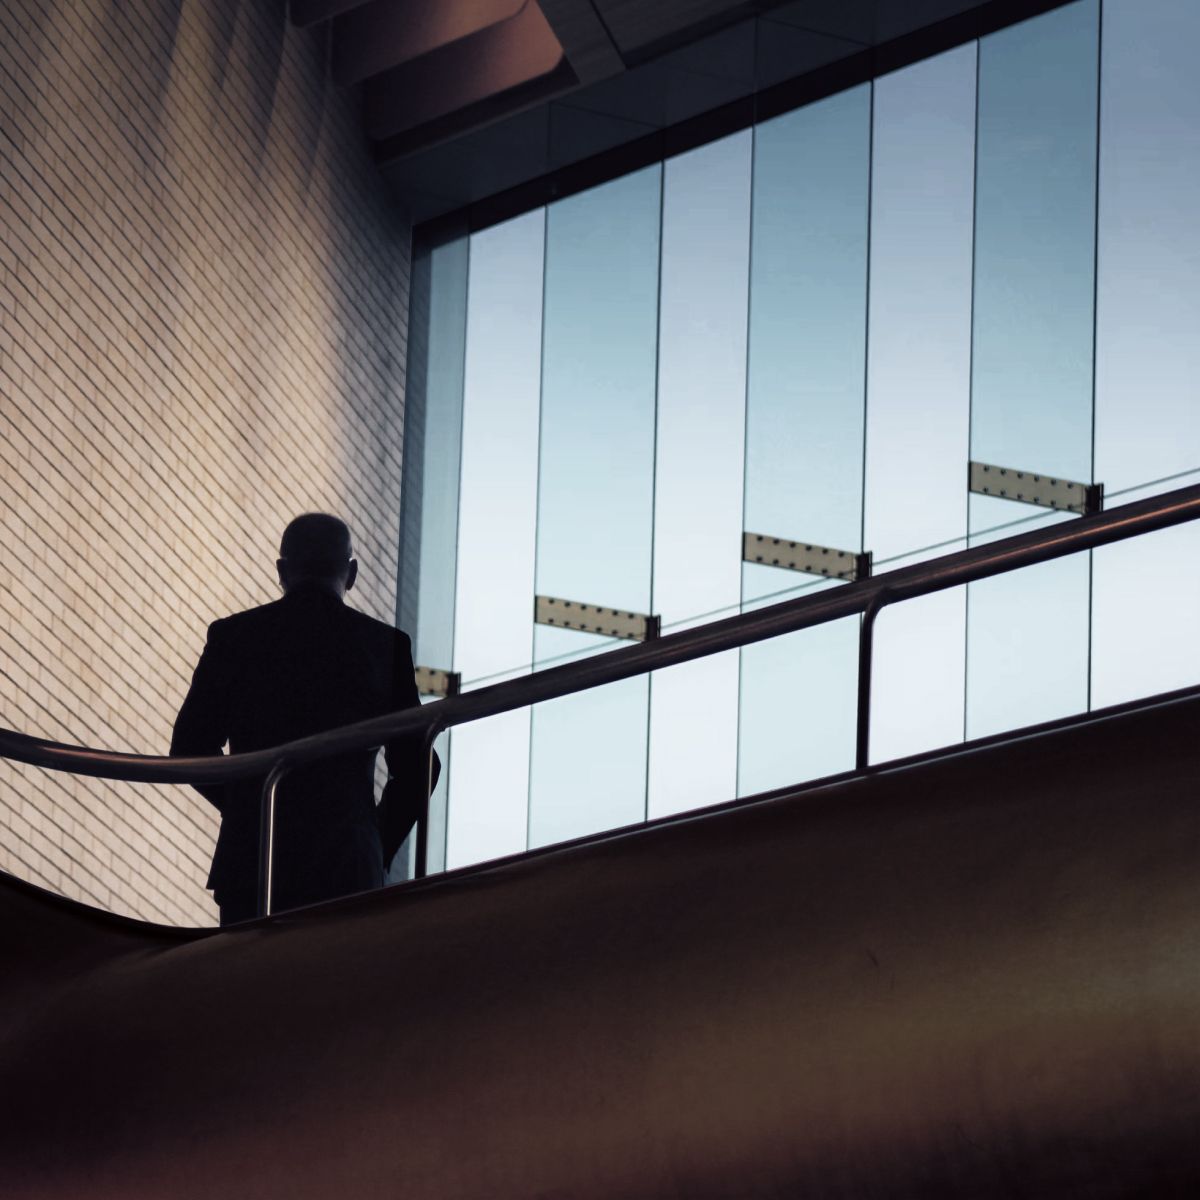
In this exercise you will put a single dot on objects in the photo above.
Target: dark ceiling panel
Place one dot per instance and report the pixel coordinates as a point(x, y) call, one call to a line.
point(898, 17)
point(690, 95)
point(576, 133)
point(639, 95)
point(784, 51)
point(727, 54)
point(678, 85)
point(637, 24)
point(851, 19)
point(309, 12)
point(585, 40)
point(479, 164)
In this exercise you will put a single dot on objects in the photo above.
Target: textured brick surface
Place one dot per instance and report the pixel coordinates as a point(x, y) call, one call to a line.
point(203, 290)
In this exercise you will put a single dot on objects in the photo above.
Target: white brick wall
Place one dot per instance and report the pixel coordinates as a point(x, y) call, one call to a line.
point(203, 288)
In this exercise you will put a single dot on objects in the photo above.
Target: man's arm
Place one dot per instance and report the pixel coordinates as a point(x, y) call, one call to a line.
point(408, 771)
point(202, 725)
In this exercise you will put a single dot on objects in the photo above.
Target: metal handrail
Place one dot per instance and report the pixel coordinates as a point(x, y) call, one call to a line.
point(866, 597)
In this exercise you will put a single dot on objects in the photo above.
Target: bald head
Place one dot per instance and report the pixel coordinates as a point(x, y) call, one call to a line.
point(316, 549)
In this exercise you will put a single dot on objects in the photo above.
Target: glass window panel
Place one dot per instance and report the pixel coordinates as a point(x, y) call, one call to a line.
point(596, 489)
point(489, 787)
point(439, 411)
point(1148, 302)
point(1035, 244)
point(1028, 631)
point(918, 388)
point(798, 704)
point(588, 767)
point(698, 488)
point(1031, 402)
point(1147, 591)
point(918, 675)
point(804, 435)
point(1147, 594)
point(429, 517)
point(804, 430)
point(487, 813)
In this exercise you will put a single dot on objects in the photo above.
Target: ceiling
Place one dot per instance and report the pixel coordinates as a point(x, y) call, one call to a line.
point(467, 100)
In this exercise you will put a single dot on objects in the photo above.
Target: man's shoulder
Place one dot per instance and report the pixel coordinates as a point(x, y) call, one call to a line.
point(374, 628)
point(267, 617)
point(249, 618)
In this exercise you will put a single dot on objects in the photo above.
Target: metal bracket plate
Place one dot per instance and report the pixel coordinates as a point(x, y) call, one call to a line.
point(433, 682)
point(591, 618)
point(805, 557)
point(1065, 495)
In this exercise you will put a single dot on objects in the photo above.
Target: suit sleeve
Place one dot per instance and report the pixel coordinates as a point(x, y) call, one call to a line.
point(406, 790)
point(403, 755)
point(202, 726)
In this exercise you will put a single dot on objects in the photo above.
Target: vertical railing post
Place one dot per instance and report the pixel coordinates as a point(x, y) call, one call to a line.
point(421, 866)
point(266, 836)
point(866, 645)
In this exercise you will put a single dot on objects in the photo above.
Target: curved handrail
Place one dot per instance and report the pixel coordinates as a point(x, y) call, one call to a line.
point(743, 629)
point(865, 597)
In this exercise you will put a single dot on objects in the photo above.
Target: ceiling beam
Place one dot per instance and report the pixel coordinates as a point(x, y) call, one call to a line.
point(476, 68)
point(386, 33)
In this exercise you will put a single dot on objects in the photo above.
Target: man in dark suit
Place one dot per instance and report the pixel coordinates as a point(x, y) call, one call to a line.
point(304, 664)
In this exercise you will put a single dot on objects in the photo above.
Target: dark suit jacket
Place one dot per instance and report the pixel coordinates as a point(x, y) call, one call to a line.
point(304, 664)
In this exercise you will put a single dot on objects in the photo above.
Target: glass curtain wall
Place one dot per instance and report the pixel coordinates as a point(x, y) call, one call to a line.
point(808, 331)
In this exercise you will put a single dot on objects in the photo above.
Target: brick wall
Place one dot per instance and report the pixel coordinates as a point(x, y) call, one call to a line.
point(203, 290)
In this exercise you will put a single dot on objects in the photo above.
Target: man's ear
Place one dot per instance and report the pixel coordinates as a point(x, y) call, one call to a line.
point(281, 569)
point(352, 574)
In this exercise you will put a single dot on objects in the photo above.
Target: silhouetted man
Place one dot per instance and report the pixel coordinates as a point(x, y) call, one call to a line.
point(304, 664)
